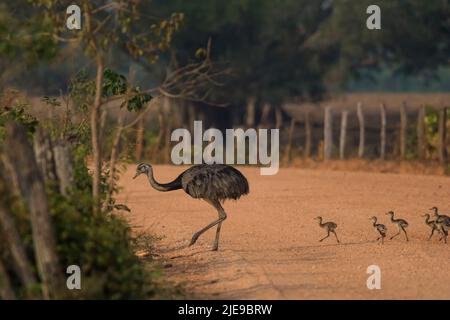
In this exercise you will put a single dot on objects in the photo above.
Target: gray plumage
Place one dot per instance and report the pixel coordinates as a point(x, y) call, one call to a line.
point(443, 223)
point(213, 183)
point(381, 228)
point(329, 226)
point(401, 223)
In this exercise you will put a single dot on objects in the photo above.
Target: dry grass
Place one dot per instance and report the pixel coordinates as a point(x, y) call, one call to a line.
point(361, 165)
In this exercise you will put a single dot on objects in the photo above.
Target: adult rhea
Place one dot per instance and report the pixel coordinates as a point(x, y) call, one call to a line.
point(213, 183)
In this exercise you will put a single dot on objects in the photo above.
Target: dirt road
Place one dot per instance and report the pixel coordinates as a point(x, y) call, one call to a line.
point(269, 246)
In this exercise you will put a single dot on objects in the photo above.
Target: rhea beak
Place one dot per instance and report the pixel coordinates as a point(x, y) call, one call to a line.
point(136, 175)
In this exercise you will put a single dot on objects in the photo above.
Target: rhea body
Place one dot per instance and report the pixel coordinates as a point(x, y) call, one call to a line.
point(381, 229)
point(443, 223)
point(432, 224)
point(401, 223)
point(330, 227)
point(213, 183)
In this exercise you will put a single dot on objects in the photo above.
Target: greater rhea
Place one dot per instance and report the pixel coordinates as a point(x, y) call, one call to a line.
point(330, 227)
point(381, 228)
point(401, 223)
point(213, 183)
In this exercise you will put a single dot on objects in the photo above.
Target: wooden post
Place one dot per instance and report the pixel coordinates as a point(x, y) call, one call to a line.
point(250, 119)
point(442, 136)
point(343, 136)
point(308, 134)
point(383, 132)
point(403, 130)
point(361, 130)
point(328, 134)
point(289, 144)
point(21, 158)
point(264, 123)
point(278, 118)
point(421, 133)
point(6, 291)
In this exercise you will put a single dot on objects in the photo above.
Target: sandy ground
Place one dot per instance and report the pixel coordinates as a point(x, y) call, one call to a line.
point(269, 245)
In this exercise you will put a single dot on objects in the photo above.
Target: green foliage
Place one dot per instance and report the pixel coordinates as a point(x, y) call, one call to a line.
point(13, 108)
point(113, 83)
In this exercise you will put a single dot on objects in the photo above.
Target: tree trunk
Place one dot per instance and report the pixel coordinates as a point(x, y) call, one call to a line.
point(343, 136)
point(64, 166)
point(250, 118)
point(383, 132)
point(6, 291)
point(443, 136)
point(328, 134)
point(403, 130)
point(308, 134)
point(115, 151)
point(140, 139)
point(421, 133)
point(21, 158)
point(95, 135)
point(18, 252)
point(361, 130)
point(289, 144)
point(43, 150)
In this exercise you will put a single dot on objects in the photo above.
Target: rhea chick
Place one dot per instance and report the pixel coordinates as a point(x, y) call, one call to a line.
point(401, 223)
point(381, 228)
point(330, 227)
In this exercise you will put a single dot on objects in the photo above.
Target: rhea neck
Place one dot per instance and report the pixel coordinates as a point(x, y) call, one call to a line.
point(374, 219)
point(320, 221)
point(427, 219)
point(392, 217)
point(174, 185)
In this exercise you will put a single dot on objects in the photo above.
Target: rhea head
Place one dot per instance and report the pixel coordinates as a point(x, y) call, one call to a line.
point(435, 210)
point(142, 168)
point(391, 213)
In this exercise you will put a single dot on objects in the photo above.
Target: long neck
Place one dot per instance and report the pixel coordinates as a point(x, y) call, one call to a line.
point(392, 218)
point(174, 185)
point(427, 219)
point(320, 222)
point(374, 222)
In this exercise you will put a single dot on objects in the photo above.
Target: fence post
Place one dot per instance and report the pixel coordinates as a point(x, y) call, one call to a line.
point(343, 136)
point(308, 135)
point(289, 144)
point(361, 130)
point(403, 130)
point(383, 131)
point(442, 135)
point(421, 133)
point(328, 134)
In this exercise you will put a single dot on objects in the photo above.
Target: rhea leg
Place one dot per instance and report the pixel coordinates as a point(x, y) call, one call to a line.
point(325, 237)
point(222, 217)
point(432, 232)
point(396, 234)
point(406, 235)
point(335, 236)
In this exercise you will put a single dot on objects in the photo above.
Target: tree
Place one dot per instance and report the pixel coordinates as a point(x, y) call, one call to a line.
point(108, 25)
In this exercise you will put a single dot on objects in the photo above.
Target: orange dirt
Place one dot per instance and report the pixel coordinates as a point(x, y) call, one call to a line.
point(269, 245)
